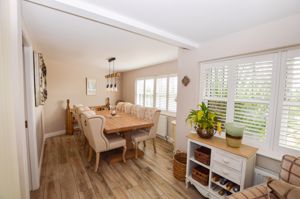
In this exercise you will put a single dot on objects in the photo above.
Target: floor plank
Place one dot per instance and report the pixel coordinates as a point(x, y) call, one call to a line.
point(66, 174)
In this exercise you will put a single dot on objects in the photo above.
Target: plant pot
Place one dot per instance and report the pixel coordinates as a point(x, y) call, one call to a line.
point(234, 134)
point(205, 133)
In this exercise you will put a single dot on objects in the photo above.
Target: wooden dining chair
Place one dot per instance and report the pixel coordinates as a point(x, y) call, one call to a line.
point(150, 114)
point(98, 141)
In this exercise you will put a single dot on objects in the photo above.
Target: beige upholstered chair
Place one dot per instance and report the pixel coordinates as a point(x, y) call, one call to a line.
point(82, 116)
point(128, 107)
point(140, 112)
point(150, 114)
point(133, 110)
point(119, 106)
point(98, 141)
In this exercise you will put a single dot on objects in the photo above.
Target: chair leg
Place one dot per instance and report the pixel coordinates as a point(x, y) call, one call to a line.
point(90, 154)
point(154, 145)
point(136, 150)
point(124, 154)
point(97, 161)
point(144, 144)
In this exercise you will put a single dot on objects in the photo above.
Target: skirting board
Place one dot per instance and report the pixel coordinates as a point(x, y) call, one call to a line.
point(53, 134)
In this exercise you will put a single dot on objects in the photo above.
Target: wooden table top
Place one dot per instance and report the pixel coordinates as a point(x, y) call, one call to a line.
point(122, 122)
point(220, 143)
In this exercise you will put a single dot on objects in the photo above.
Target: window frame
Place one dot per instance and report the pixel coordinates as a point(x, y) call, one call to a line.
point(271, 147)
point(167, 112)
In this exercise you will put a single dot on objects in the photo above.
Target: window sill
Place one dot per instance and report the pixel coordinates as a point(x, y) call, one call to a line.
point(169, 114)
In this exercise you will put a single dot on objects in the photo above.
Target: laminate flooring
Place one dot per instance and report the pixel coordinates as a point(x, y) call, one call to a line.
point(66, 174)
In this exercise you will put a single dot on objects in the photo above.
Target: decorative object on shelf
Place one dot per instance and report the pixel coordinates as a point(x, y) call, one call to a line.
point(185, 80)
point(111, 78)
point(91, 86)
point(40, 73)
point(204, 121)
point(179, 165)
point(234, 134)
point(202, 154)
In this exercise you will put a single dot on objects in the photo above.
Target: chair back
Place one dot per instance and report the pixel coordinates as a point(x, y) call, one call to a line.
point(119, 106)
point(82, 109)
point(290, 170)
point(83, 117)
point(128, 107)
point(133, 110)
point(96, 137)
point(140, 112)
point(75, 111)
point(152, 114)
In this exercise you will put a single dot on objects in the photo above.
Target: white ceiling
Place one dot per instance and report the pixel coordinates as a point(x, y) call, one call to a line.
point(201, 20)
point(74, 40)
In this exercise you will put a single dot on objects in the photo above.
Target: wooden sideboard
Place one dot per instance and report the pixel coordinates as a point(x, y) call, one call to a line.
point(234, 164)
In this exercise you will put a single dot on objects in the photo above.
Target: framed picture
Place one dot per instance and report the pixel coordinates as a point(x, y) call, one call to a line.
point(40, 81)
point(91, 86)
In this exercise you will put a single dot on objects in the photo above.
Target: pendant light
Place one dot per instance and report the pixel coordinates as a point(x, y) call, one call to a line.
point(112, 82)
point(107, 79)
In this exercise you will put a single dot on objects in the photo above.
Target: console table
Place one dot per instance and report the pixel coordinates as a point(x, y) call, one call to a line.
point(236, 165)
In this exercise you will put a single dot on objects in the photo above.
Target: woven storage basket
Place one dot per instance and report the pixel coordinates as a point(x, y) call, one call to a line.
point(202, 155)
point(200, 174)
point(179, 166)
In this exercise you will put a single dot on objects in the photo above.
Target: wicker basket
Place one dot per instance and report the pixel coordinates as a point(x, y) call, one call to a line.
point(179, 166)
point(200, 174)
point(202, 155)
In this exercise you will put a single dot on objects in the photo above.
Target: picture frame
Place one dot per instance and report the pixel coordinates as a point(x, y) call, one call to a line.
point(40, 80)
point(91, 86)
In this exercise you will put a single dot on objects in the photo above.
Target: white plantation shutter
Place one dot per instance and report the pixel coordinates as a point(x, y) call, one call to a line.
point(172, 94)
point(161, 93)
point(289, 135)
point(140, 92)
point(215, 81)
point(149, 92)
point(253, 93)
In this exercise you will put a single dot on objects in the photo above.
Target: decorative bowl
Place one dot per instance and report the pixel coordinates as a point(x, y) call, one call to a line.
point(205, 133)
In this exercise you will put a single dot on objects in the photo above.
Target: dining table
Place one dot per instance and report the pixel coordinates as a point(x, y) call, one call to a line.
point(124, 124)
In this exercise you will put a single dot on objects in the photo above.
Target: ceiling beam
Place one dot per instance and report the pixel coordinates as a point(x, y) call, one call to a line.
point(103, 16)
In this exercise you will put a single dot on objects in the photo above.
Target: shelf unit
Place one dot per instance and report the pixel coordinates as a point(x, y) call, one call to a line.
point(235, 164)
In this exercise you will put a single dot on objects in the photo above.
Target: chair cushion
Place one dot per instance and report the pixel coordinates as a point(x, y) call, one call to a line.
point(256, 192)
point(290, 170)
point(115, 141)
point(279, 189)
point(140, 135)
point(149, 114)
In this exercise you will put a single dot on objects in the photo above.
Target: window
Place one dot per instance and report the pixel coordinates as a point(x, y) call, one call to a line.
point(289, 102)
point(172, 94)
point(139, 92)
point(215, 80)
point(262, 92)
point(159, 92)
point(149, 92)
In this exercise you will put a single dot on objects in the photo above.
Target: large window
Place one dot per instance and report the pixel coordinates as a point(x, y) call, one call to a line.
point(159, 92)
point(261, 92)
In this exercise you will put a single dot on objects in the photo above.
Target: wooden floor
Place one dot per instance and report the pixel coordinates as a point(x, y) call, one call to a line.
point(67, 174)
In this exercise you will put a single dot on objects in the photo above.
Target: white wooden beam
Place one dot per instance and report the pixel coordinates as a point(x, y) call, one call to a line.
point(100, 15)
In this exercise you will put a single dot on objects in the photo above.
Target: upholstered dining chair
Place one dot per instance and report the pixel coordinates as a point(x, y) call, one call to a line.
point(128, 107)
point(97, 139)
point(133, 110)
point(140, 112)
point(119, 106)
point(150, 114)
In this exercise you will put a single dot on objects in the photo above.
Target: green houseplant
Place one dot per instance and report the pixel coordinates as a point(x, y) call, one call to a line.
point(204, 121)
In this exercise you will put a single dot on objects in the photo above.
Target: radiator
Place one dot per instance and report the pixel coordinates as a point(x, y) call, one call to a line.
point(162, 128)
point(261, 175)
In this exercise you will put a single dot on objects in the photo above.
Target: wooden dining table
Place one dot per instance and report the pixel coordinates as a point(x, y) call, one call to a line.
point(124, 124)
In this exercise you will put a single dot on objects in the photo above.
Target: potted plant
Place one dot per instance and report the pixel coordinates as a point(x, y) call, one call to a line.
point(204, 121)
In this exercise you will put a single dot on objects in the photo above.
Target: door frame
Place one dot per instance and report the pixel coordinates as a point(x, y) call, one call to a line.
point(31, 112)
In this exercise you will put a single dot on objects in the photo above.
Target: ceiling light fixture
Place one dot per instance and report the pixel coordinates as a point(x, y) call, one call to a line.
point(112, 77)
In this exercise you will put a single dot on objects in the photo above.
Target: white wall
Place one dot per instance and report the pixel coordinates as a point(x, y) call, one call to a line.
point(69, 82)
point(14, 183)
point(280, 33)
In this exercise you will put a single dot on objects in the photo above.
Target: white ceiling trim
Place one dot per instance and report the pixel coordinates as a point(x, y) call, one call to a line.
point(107, 17)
